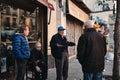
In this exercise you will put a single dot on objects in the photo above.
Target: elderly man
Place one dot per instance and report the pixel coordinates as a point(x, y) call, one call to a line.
point(37, 58)
point(91, 50)
point(59, 47)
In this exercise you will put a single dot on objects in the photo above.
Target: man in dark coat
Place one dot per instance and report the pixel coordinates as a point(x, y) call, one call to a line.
point(37, 59)
point(91, 50)
point(59, 49)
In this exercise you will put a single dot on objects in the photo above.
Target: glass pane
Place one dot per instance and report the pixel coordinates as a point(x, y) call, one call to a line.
point(10, 20)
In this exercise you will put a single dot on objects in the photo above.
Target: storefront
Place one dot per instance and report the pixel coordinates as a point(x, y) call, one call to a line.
point(77, 14)
point(30, 12)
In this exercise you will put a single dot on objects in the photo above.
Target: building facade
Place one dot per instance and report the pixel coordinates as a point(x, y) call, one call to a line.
point(108, 19)
point(71, 15)
point(12, 14)
point(103, 13)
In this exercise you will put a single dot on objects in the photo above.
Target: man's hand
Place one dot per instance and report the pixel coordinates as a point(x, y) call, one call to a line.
point(58, 45)
point(38, 69)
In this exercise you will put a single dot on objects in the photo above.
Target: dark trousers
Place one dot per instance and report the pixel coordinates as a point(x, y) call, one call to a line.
point(21, 68)
point(40, 75)
point(62, 67)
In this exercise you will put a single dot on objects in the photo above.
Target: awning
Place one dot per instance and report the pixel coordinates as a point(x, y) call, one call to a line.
point(28, 5)
point(47, 4)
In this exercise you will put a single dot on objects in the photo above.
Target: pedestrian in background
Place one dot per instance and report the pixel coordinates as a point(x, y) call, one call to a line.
point(59, 49)
point(21, 50)
point(91, 51)
point(37, 59)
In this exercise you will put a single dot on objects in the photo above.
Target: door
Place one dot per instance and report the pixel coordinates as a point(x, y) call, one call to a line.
point(73, 32)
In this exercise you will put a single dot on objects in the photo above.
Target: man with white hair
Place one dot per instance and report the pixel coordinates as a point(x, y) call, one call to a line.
point(91, 51)
point(89, 24)
point(59, 49)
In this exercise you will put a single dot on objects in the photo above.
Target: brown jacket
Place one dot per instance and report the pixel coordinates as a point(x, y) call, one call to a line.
point(91, 50)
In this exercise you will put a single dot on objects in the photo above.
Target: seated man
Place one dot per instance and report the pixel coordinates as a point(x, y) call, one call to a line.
point(38, 62)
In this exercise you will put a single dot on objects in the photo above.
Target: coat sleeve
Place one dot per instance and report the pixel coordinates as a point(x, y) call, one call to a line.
point(71, 43)
point(16, 43)
point(42, 57)
point(105, 44)
point(33, 57)
point(53, 43)
point(81, 49)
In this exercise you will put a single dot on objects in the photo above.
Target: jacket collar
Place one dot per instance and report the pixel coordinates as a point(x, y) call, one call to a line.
point(59, 35)
point(22, 35)
point(90, 30)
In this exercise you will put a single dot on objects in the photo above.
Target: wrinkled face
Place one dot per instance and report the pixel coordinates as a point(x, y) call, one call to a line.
point(61, 32)
point(38, 46)
point(26, 31)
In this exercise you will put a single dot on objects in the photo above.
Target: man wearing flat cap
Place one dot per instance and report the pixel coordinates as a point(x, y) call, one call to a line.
point(59, 49)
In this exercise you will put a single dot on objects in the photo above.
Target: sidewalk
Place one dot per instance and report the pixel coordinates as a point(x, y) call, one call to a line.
point(75, 72)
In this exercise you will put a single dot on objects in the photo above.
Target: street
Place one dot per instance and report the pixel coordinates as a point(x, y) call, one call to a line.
point(68, 19)
point(75, 72)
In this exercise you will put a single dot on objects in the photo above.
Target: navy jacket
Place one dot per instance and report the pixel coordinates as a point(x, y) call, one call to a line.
point(20, 47)
point(57, 51)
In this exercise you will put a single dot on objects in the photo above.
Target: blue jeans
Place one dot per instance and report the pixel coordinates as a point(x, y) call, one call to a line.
point(93, 76)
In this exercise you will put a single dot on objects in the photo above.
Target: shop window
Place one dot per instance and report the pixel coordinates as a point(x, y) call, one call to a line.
point(10, 20)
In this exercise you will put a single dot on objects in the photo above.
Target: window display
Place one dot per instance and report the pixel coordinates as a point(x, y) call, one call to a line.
point(10, 20)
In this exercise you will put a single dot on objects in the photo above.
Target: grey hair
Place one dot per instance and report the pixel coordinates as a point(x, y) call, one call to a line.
point(89, 24)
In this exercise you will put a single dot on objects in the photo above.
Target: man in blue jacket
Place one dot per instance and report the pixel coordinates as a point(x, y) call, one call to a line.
point(59, 49)
point(21, 50)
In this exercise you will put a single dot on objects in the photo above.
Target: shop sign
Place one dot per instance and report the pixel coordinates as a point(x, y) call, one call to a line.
point(77, 12)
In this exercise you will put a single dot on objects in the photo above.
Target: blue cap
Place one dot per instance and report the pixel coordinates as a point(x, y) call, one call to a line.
point(61, 28)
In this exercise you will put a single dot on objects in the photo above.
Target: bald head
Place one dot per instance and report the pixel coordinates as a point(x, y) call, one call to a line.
point(38, 46)
point(89, 24)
